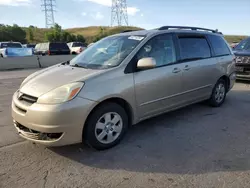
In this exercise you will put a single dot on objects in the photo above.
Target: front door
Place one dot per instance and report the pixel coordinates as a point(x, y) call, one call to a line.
point(157, 89)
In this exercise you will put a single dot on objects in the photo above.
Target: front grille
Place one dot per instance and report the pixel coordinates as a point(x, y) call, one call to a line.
point(27, 98)
point(36, 135)
point(242, 60)
point(246, 67)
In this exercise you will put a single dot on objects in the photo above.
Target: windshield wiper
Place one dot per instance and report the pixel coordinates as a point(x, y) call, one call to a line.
point(65, 63)
point(79, 65)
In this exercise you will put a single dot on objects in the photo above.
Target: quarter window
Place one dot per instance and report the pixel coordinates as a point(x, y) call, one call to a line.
point(219, 45)
point(194, 47)
point(161, 48)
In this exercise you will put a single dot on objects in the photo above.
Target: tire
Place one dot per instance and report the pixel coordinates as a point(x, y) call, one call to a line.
point(1, 55)
point(106, 126)
point(218, 94)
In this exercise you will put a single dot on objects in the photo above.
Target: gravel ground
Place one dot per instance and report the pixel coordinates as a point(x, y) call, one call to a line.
point(197, 146)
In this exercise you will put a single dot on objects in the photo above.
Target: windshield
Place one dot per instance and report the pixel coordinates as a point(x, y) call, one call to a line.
point(11, 45)
point(108, 52)
point(243, 45)
point(59, 46)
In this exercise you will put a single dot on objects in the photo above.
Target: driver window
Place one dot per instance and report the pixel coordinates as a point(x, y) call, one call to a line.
point(161, 48)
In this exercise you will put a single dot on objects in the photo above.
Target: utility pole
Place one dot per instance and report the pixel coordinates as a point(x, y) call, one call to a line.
point(119, 14)
point(48, 6)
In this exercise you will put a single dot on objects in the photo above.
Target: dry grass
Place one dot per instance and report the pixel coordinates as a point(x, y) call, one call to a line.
point(234, 38)
point(90, 32)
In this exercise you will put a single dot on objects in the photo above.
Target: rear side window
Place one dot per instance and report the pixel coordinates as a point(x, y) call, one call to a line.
point(58, 46)
point(77, 44)
point(219, 45)
point(11, 45)
point(194, 47)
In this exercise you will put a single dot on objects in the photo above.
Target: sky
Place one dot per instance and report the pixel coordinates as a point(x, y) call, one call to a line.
point(229, 16)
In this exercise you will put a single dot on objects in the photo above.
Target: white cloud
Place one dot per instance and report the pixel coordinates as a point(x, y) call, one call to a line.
point(15, 2)
point(102, 2)
point(84, 14)
point(132, 10)
point(98, 16)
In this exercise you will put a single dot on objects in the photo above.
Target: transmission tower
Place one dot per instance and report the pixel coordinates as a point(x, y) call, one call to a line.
point(48, 8)
point(119, 15)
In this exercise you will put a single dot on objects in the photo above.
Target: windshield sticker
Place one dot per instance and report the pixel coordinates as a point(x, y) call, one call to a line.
point(136, 38)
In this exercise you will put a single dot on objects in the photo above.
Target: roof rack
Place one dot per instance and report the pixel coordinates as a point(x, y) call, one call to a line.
point(187, 27)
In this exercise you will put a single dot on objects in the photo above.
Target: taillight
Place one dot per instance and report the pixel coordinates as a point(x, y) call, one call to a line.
point(49, 52)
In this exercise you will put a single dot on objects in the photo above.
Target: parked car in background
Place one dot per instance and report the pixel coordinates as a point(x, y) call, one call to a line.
point(52, 48)
point(122, 80)
point(5, 45)
point(90, 44)
point(76, 47)
point(29, 45)
point(242, 53)
point(233, 44)
point(32, 46)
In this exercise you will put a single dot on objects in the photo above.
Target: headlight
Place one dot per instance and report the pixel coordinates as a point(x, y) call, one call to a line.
point(61, 94)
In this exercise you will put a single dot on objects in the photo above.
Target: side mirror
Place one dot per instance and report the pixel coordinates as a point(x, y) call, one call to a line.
point(146, 63)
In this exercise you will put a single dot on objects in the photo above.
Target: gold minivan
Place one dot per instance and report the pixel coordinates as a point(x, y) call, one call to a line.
point(120, 81)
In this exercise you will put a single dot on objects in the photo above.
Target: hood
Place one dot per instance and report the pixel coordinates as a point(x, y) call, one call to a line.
point(46, 80)
point(242, 52)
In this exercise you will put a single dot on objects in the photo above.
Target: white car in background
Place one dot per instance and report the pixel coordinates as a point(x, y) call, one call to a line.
point(5, 45)
point(76, 47)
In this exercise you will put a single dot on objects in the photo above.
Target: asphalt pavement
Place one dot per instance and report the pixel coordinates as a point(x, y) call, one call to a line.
point(197, 146)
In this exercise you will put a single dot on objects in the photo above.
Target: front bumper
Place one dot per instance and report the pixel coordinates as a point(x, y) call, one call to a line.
point(232, 78)
point(51, 125)
point(243, 71)
point(243, 76)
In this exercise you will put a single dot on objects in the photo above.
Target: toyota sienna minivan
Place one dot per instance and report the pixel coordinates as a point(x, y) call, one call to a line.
point(120, 81)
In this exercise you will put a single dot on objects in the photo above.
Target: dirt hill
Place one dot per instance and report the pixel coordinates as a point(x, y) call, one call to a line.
point(91, 32)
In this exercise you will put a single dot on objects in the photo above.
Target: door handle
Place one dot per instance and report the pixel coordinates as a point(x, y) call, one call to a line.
point(176, 70)
point(186, 68)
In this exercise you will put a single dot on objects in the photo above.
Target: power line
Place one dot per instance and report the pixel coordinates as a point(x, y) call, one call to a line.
point(49, 9)
point(119, 15)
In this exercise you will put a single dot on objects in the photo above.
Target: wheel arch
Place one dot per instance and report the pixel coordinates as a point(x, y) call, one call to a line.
point(227, 80)
point(120, 101)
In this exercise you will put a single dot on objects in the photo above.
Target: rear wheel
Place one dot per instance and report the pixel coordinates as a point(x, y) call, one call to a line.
point(219, 94)
point(106, 126)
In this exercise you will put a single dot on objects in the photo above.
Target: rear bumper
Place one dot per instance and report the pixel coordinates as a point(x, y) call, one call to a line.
point(52, 125)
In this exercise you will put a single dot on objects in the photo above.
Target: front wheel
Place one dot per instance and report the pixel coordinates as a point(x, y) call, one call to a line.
point(106, 126)
point(219, 94)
